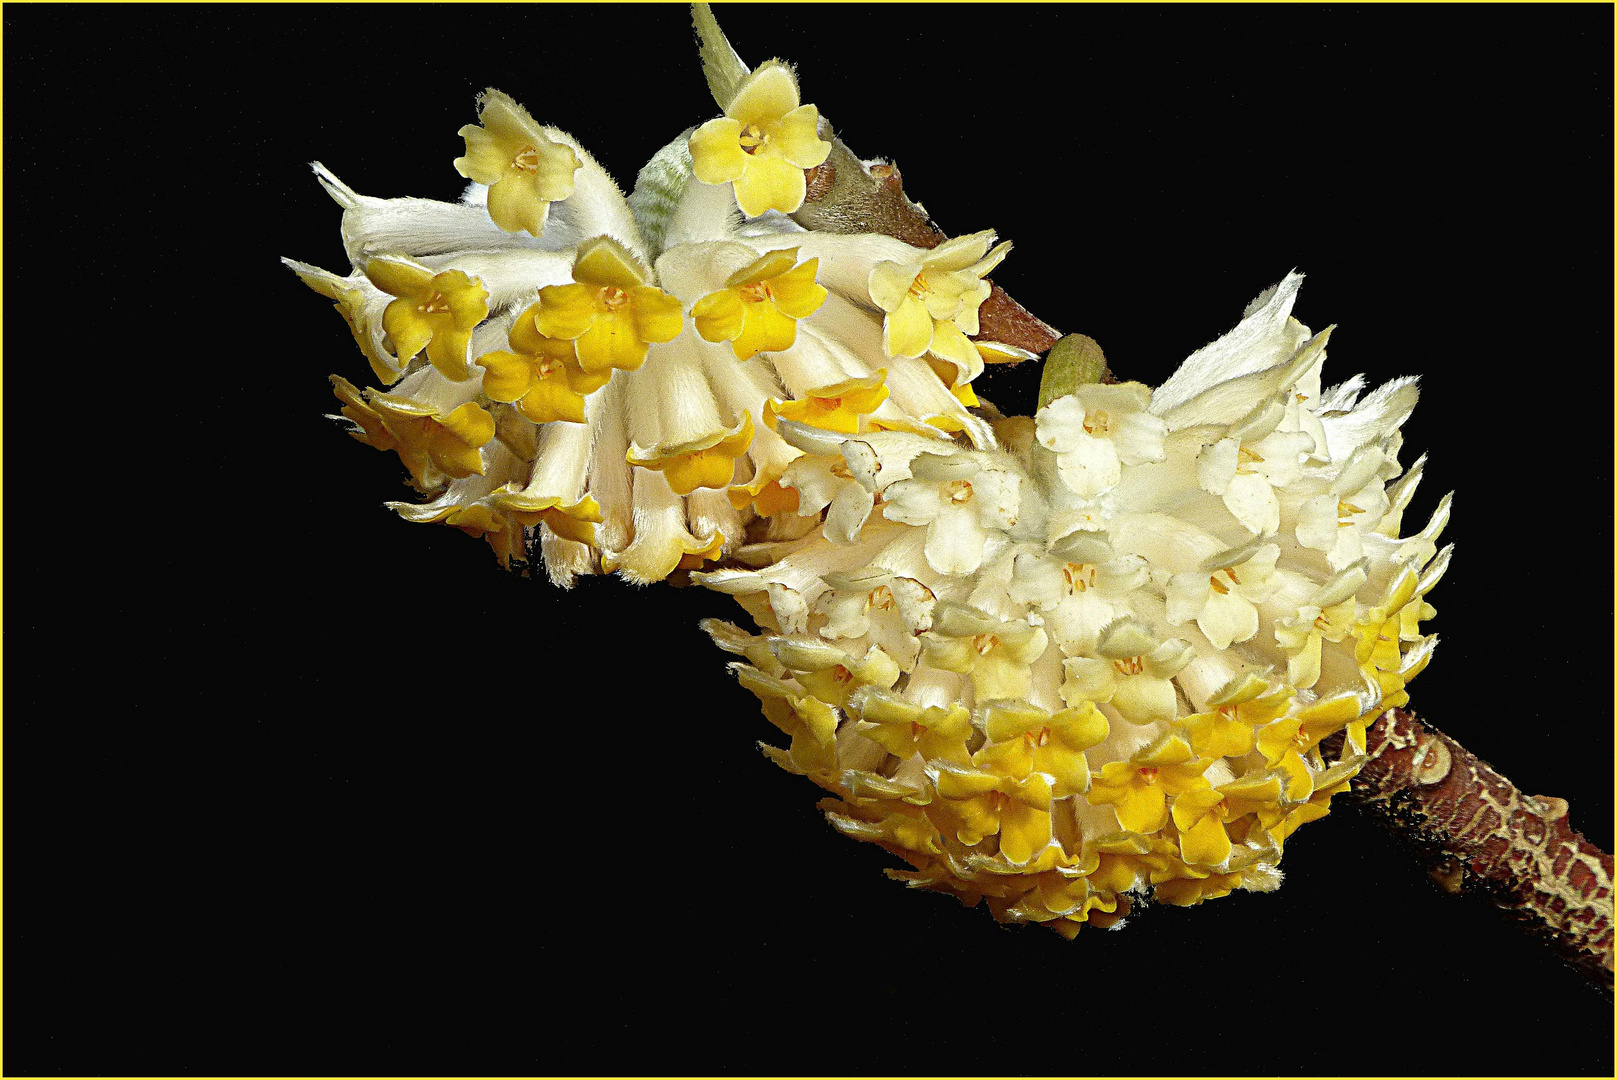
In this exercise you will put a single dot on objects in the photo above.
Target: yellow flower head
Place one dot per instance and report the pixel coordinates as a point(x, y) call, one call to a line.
point(453, 443)
point(762, 144)
point(758, 309)
point(931, 304)
point(540, 375)
point(436, 312)
point(610, 311)
point(525, 171)
point(833, 408)
point(704, 463)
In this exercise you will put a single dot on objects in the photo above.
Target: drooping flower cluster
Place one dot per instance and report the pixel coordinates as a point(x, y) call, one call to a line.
point(1099, 660)
point(604, 378)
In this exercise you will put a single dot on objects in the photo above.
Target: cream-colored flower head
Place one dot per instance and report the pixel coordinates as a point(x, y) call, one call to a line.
point(1072, 669)
point(598, 381)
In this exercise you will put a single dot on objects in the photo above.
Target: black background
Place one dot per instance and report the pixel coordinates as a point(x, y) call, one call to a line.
point(297, 787)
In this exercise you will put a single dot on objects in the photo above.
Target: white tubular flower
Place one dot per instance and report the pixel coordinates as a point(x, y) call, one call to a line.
point(640, 357)
point(1154, 607)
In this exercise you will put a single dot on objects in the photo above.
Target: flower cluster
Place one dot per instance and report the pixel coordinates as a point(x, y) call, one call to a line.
point(1099, 659)
point(605, 378)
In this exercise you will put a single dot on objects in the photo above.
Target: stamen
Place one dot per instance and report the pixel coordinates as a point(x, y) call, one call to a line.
point(882, 599)
point(752, 137)
point(1132, 665)
point(1098, 422)
point(613, 298)
point(959, 491)
point(527, 159)
point(435, 304)
point(983, 642)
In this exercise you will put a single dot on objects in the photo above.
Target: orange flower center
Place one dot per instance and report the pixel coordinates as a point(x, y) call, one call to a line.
point(756, 292)
point(882, 598)
point(752, 137)
point(1345, 510)
point(959, 491)
point(613, 298)
point(1148, 775)
point(435, 304)
point(1218, 586)
point(1098, 422)
point(983, 642)
point(527, 159)
point(1080, 576)
point(1131, 665)
point(919, 287)
point(547, 367)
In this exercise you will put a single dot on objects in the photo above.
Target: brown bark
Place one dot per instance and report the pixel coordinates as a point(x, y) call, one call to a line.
point(1478, 834)
point(846, 196)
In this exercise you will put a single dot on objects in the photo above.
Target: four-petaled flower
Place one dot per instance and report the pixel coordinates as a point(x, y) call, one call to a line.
point(524, 169)
point(541, 375)
point(1138, 789)
point(931, 304)
point(1098, 429)
point(1200, 814)
point(762, 144)
point(758, 308)
point(1222, 594)
point(998, 654)
point(1132, 673)
point(708, 462)
point(1024, 738)
point(959, 500)
point(453, 443)
point(981, 804)
point(833, 408)
point(610, 311)
point(436, 312)
point(904, 728)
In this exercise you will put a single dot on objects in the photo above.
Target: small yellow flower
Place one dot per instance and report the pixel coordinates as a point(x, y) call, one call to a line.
point(905, 729)
point(833, 408)
point(767, 498)
point(763, 143)
point(758, 308)
point(1123, 858)
point(541, 376)
point(570, 521)
point(1200, 815)
point(609, 311)
point(1138, 789)
point(368, 425)
point(436, 312)
point(1023, 739)
point(453, 443)
point(981, 804)
point(710, 552)
point(525, 170)
point(1244, 703)
point(811, 724)
point(1284, 742)
point(704, 463)
point(931, 304)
